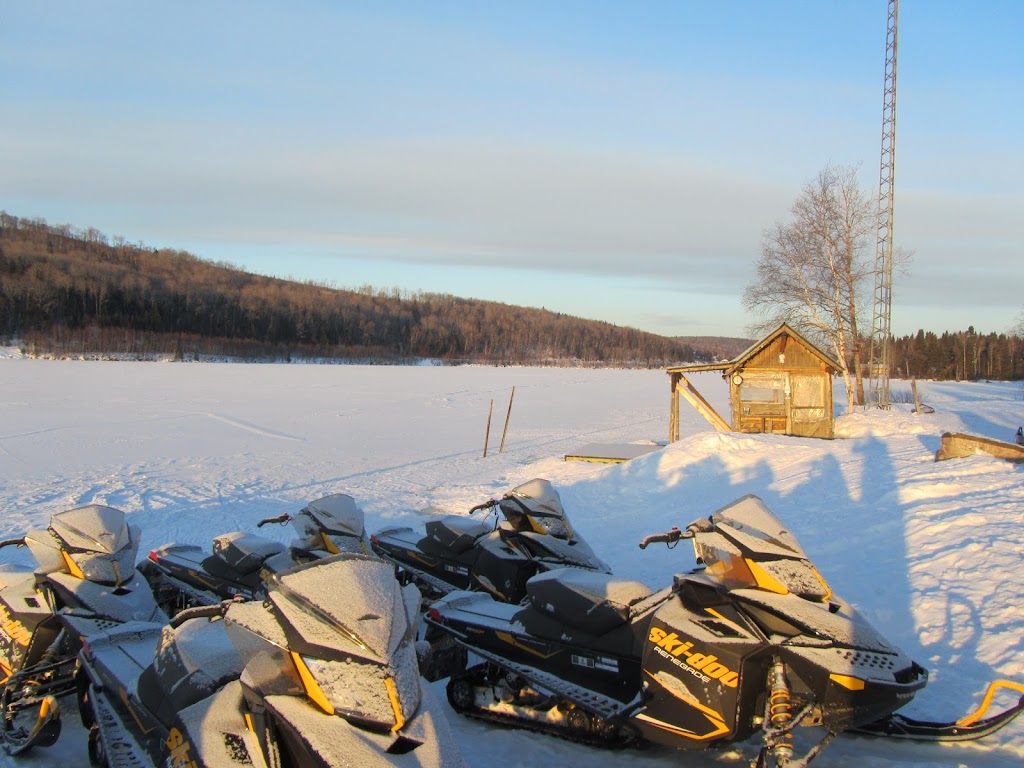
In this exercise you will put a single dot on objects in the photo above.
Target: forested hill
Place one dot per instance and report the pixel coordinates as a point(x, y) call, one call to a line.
point(66, 291)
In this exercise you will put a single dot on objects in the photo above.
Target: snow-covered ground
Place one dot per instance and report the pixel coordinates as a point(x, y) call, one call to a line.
point(931, 553)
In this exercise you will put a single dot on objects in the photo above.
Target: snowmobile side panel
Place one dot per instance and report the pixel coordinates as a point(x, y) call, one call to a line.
point(555, 552)
point(23, 608)
point(704, 675)
point(494, 631)
point(213, 733)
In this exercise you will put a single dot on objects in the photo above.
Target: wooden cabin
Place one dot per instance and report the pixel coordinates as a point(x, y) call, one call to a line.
point(782, 384)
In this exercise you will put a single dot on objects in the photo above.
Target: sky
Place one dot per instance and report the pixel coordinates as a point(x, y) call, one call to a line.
point(609, 160)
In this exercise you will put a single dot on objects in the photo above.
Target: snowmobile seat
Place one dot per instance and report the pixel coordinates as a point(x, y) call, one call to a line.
point(593, 602)
point(243, 552)
point(191, 663)
point(456, 532)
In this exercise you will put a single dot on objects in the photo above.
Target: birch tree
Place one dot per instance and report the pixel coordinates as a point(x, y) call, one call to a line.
point(816, 271)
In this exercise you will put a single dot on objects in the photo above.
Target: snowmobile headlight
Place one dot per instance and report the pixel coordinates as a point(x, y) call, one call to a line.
point(375, 696)
point(554, 526)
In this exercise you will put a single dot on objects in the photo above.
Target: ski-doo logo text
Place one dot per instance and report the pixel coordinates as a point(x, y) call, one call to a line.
point(671, 646)
point(180, 757)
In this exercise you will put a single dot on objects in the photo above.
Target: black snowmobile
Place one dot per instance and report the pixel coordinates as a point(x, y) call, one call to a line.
point(298, 680)
point(184, 575)
point(494, 552)
point(752, 642)
point(86, 570)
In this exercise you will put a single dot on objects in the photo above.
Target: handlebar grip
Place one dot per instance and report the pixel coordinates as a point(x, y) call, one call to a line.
point(485, 505)
point(13, 542)
point(281, 519)
point(669, 537)
point(202, 611)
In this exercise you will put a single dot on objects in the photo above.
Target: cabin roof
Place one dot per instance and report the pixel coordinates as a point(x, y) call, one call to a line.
point(729, 366)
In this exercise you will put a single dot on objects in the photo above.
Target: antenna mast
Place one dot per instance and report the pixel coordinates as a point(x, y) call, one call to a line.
point(878, 394)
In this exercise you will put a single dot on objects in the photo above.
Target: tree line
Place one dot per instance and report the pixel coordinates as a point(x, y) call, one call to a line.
point(962, 355)
point(67, 291)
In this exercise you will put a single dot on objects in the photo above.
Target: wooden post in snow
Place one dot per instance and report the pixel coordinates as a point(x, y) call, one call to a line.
point(917, 400)
point(487, 435)
point(504, 432)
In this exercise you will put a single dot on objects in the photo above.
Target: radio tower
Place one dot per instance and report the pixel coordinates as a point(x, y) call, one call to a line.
point(878, 393)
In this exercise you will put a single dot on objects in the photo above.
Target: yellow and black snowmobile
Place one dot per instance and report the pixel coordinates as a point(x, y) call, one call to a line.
point(84, 581)
point(300, 679)
point(751, 645)
point(519, 535)
point(185, 576)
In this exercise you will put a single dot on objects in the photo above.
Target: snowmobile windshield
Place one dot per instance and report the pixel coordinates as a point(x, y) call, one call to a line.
point(333, 524)
point(336, 514)
point(94, 543)
point(93, 528)
point(748, 546)
point(538, 505)
point(749, 523)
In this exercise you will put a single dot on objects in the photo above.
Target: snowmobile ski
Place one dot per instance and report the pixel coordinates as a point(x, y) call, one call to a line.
point(969, 728)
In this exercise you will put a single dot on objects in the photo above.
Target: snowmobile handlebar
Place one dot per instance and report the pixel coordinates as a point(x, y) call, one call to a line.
point(203, 611)
point(13, 542)
point(280, 520)
point(669, 537)
point(486, 505)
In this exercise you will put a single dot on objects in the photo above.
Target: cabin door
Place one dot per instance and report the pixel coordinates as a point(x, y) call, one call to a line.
point(809, 406)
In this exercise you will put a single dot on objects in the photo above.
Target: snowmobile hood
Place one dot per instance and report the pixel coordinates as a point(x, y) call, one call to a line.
point(93, 528)
point(349, 602)
point(540, 503)
point(336, 631)
point(336, 514)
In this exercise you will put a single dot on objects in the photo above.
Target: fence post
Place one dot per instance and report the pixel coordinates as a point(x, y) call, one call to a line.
point(504, 432)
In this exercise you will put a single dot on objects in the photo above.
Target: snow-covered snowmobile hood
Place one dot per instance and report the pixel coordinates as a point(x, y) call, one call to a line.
point(94, 543)
point(540, 502)
point(337, 514)
point(354, 601)
point(333, 524)
point(337, 631)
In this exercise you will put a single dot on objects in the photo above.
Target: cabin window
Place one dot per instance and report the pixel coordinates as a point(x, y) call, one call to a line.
point(762, 392)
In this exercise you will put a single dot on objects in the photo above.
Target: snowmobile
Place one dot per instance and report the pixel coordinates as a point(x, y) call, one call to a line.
point(751, 642)
point(86, 570)
point(296, 680)
point(184, 575)
point(494, 552)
